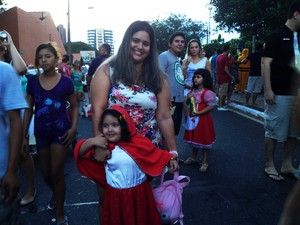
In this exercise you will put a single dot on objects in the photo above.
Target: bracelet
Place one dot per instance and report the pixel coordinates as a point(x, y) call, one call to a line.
point(174, 152)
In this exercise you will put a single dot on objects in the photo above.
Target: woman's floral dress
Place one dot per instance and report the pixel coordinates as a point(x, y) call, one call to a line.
point(141, 104)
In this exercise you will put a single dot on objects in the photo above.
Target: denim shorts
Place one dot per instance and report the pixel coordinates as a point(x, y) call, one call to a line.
point(281, 119)
point(254, 84)
point(46, 142)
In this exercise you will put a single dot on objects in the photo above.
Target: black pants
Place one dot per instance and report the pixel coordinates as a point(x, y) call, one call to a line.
point(177, 117)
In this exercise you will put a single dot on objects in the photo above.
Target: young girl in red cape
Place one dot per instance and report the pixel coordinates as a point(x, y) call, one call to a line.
point(132, 161)
point(199, 126)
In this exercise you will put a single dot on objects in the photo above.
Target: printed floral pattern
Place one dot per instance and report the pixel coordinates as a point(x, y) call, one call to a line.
point(141, 105)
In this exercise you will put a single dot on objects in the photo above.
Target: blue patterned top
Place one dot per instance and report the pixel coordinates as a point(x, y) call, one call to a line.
point(51, 118)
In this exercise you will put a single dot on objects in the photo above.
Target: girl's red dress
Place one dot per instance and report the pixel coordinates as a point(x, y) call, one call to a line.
point(127, 206)
point(199, 130)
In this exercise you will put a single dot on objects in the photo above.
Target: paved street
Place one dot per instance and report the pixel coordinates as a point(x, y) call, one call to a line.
point(234, 191)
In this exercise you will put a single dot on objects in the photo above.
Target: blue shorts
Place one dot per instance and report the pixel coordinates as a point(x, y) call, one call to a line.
point(46, 142)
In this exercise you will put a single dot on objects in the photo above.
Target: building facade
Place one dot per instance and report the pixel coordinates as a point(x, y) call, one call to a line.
point(99, 36)
point(30, 29)
point(62, 33)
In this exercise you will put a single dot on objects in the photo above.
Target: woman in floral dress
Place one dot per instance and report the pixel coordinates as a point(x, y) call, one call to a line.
point(133, 80)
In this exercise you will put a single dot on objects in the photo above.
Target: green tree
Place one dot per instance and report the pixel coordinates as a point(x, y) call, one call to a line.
point(164, 28)
point(2, 3)
point(250, 18)
point(211, 47)
point(80, 46)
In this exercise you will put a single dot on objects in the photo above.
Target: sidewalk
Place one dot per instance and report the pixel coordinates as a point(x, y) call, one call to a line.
point(256, 112)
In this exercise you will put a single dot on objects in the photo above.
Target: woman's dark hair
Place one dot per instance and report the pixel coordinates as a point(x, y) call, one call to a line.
point(48, 46)
point(207, 79)
point(65, 58)
point(125, 133)
point(123, 65)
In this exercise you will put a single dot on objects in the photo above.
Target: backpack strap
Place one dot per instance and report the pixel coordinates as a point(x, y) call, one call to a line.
point(178, 178)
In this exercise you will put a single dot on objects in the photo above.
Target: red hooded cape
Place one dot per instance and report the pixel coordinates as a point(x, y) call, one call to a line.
point(150, 159)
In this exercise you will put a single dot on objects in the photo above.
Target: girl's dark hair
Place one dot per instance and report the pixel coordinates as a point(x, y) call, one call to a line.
point(123, 64)
point(207, 79)
point(125, 133)
point(48, 46)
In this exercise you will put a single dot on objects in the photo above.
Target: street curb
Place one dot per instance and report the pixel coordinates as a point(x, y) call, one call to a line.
point(248, 112)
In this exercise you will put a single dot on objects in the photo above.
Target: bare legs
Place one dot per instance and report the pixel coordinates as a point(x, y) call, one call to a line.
point(291, 208)
point(52, 165)
point(247, 97)
point(193, 158)
point(222, 99)
point(100, 190)
point(29, 172)
point(288, 150)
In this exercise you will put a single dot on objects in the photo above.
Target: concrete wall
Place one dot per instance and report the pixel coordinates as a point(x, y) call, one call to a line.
point(28, 31)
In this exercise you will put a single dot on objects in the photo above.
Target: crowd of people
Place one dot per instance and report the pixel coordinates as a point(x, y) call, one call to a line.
point(133, 127)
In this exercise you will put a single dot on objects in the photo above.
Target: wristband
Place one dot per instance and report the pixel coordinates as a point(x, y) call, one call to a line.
point(174, 152)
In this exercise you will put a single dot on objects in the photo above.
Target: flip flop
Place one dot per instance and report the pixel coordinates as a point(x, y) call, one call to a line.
point(275, 176)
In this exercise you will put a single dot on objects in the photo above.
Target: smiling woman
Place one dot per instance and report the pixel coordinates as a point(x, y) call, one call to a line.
point(133, 80)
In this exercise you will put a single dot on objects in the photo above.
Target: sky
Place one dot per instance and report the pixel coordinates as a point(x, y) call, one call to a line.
point(117, 15)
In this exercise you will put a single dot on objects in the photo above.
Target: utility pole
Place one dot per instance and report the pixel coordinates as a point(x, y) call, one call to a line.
point(209, 17)
point(69, 50)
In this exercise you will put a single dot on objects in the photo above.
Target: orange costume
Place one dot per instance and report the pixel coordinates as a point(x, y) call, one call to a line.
point(243, 71)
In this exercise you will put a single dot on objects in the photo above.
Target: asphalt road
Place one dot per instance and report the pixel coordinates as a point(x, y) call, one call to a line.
point(234, 190)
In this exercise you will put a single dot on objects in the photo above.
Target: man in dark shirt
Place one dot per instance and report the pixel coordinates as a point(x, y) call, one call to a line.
point(104, 53)
point(254, 84)
point(281, 85)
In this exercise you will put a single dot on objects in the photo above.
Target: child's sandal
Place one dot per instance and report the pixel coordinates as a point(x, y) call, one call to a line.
point(203, 167)
point(190, 160)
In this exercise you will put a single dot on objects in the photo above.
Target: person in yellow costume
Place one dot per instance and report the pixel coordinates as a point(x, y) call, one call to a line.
point(243, 72)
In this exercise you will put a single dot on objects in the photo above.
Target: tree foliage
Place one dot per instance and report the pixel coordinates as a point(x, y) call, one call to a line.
point(2, 3)
point(164, 28)
point(257, 17)
point(78, 46)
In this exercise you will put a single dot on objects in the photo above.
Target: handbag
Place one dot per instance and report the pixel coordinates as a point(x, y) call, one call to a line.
point(168, 197)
